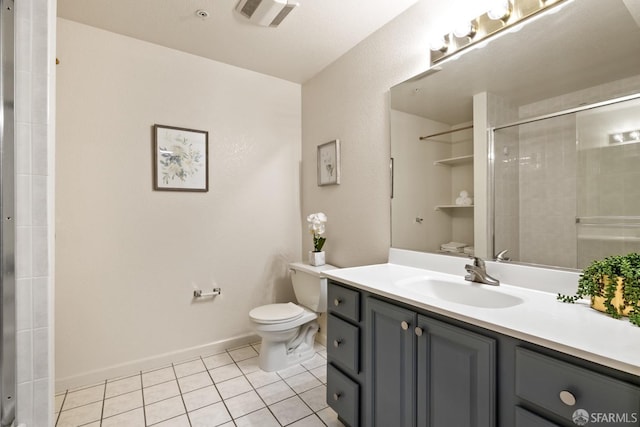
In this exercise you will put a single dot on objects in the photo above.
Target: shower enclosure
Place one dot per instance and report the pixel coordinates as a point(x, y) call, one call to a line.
point(566, 185)
point(7, 221)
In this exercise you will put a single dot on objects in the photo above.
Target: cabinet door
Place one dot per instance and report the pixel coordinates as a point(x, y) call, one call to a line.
point(390, 365)
point(456, 376)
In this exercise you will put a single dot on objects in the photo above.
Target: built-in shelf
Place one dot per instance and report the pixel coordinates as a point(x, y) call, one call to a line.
point(455, 161)
point(452, 207)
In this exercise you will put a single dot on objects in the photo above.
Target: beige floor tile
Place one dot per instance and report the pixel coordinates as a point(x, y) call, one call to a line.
point(243, 353)
point(189, 368)
point(290, 410)
point(200, 398)
point(158, 376)
point(275, 392)
point(180, 421)
point(83, 397)
point(225, 372)
point(316, 398)
point(123, 385)
point(194, 382)
point(261, 418)
point(217, 360)
point(329, 417)
point(80, 415)
point(164, 410)
point(302, 382)
point(261, 378)
point(210, 416)
point(248, 365)
point(122, 403)
point(244, 404)
point(233, 387)
point(310, 421)
point(161, 391)
point(133, 418)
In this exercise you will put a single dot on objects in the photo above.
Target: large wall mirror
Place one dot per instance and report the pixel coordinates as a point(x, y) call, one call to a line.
point(530, 143)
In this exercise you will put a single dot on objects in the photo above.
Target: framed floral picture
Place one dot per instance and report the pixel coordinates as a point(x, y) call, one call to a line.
point(329, 163)
point(181, 159)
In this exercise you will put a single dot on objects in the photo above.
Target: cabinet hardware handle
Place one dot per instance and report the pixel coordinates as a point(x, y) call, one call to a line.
point(418, 331)
point(404, 325)
point(336, 396)
point(337, 302)
point(336, 343)
point(567, 398)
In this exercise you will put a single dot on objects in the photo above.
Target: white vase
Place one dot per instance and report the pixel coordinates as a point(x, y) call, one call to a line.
point(316, 258)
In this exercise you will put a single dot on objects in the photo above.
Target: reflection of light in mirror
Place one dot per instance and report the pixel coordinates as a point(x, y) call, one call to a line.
point(628, 137)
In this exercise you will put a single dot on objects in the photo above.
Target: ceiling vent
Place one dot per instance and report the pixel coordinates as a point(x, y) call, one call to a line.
point(268, 13)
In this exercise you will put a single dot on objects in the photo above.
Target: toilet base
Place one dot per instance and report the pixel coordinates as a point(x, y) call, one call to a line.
point(279, 355)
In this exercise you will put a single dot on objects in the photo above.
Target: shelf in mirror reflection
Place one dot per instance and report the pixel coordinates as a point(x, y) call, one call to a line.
point(439, 207)
point(455, 161)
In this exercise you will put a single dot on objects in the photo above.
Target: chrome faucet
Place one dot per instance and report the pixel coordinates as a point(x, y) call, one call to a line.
point(478, 273)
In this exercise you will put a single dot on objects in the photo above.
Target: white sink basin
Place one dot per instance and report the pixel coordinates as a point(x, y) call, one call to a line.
point(460, 292)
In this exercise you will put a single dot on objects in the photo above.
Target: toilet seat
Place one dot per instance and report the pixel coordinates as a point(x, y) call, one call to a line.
point(276, 313)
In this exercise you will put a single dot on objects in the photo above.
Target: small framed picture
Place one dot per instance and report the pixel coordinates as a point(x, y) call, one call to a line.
point(329, 163)
point(181, 159)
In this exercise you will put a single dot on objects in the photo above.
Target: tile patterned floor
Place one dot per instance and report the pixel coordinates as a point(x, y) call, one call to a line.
point(225, 389)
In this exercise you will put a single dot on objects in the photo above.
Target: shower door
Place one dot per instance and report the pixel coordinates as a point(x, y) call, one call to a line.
point(7, 221)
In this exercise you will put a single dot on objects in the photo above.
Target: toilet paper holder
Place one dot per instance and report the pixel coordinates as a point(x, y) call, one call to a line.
point(197, 293)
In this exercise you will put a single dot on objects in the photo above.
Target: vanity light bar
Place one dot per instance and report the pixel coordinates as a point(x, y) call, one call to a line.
point(512, 13)
point(624, 137)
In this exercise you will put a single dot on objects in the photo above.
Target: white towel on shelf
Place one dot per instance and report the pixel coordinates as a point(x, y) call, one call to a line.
point(455, 247)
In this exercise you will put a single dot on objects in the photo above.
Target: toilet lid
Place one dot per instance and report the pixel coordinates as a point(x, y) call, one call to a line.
point(273, 313)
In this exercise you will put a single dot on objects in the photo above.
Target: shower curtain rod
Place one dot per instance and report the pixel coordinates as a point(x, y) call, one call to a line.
point(568, 111)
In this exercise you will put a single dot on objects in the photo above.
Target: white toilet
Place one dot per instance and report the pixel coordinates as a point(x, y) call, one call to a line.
point(288, 330)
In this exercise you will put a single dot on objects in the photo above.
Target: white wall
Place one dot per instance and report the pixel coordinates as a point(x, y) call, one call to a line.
point(128, 257)
point(349, 100)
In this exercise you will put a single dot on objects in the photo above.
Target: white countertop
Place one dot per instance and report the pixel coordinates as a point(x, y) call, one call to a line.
point(575, 329)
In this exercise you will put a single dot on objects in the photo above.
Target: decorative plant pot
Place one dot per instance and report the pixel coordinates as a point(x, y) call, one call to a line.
point(316, 258)
point(598, 302)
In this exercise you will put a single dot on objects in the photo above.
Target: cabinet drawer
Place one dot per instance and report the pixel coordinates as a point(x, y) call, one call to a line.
point(343, 301)
point(525, 418)
point(563, 388)
point(343, 395)
point(343, 343)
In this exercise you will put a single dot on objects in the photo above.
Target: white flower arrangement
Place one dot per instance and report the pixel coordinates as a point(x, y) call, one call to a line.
point(317, 223)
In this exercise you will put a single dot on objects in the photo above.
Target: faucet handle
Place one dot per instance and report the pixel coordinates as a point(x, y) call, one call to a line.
point(478, 262)
point(502, 256)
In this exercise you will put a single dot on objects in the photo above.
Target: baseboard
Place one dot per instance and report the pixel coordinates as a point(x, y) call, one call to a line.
point(150, 363)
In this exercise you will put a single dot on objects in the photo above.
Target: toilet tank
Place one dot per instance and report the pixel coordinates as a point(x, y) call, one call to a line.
point(310, 285)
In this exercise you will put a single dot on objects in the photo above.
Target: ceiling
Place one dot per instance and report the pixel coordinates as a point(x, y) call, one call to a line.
point(313, 36)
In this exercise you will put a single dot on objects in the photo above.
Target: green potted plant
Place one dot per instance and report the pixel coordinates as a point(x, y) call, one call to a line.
point(613, 285)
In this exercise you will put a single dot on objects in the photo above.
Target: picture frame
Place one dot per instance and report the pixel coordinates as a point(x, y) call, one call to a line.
point(180, 159)
point(328, 157)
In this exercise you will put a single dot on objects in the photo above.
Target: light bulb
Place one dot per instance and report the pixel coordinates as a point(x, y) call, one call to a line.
point(439, 44)
point(500, 11)
point(465, 29)
point(635, 134)
point(618, 137)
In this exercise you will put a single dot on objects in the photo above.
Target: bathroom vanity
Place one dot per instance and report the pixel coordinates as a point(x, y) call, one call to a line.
point(411, 343)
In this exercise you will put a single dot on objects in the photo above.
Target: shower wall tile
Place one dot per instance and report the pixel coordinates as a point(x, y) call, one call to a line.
point(35, 36)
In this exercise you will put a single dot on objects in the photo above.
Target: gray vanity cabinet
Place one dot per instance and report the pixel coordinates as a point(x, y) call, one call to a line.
point(391, 364)
point(456, 376)
point(344, 355)
point(421, 371)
